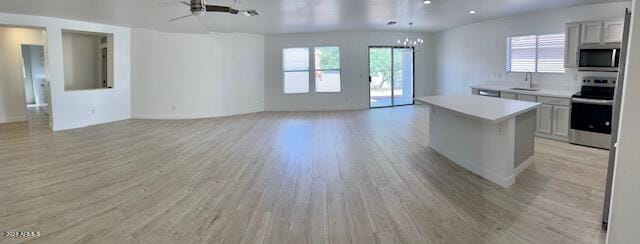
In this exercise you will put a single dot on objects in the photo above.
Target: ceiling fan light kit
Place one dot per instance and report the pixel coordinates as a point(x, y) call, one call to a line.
point(200, 8)
point(250, 13)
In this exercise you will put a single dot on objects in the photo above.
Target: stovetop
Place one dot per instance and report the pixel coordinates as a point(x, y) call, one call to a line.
point(597, 88)
point(593, 96)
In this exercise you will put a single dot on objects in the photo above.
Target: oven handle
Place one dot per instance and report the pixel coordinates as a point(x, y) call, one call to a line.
point(592, 101)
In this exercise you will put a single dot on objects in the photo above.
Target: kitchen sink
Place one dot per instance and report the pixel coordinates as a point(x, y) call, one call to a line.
point(525, 89)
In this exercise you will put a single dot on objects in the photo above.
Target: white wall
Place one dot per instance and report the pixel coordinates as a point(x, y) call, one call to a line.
point(476, 53)
point(80, 56)
point(624, 221)
point(180, 76)
point(354, 68)
point(12, 95)
point(73, 109)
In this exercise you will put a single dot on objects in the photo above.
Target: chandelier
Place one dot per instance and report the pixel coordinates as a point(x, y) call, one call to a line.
point(410, 42)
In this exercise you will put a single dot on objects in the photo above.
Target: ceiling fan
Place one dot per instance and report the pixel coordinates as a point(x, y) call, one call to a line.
point(200, 7)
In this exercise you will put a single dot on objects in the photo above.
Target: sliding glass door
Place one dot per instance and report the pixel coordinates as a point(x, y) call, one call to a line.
point(390, 76)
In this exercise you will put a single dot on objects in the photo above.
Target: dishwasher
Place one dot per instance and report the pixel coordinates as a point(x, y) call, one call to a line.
point(488, 93)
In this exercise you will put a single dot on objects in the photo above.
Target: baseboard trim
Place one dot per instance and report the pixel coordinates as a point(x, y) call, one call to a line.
point(314, 109)
point(522, 167)
point(552, 137)
point(13, 119)
point(84, 126)
point(196, 116)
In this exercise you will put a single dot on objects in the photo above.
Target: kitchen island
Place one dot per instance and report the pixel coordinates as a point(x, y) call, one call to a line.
point(491, 137)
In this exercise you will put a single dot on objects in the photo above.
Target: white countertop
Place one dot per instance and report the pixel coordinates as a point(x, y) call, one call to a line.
point(562, 93)
point(489, 109)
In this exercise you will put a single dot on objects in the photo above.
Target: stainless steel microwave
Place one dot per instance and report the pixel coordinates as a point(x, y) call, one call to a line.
point(599, 57)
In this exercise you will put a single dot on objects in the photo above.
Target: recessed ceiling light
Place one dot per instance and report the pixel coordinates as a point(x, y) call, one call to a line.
point(427, 2)
point(392, 23)
point(472, 12)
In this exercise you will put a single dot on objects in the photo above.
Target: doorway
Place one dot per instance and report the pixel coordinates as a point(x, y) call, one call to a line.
point(34, 76)
point(391, 76)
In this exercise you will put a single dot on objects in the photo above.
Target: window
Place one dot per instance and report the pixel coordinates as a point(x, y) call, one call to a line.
point(295, 64)
point(536, 53)
point(551, 53)
point(296, 69)
point(327, 69)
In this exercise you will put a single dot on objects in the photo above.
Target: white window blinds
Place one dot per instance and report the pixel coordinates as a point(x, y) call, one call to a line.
point(551, 53)
point(522, 54)
point(536, 53)
point(295, 65)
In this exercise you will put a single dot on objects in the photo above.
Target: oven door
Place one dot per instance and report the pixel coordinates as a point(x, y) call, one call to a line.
point(596, 59)
point(591, 115)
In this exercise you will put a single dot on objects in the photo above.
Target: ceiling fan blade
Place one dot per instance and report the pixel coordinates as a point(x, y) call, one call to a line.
point(182, 17)
point(186, 3)
point(222, 9)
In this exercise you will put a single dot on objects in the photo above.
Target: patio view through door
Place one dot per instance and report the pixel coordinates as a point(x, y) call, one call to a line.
point(391, 71)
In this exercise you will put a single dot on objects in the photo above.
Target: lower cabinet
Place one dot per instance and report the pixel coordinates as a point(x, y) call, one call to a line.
point(554, 121)
point(554, 115)
point(545, 118)
point(528, 98)
point(509, 95)
point(561, 123)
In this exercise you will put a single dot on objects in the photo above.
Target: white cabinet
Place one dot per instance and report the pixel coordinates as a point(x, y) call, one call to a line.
point(591, 32)
point(572, 45)
point(545, 118)
point(508, 95)
point(561, 121)
point(613, 31)
point(528, 98)
point(554, 117)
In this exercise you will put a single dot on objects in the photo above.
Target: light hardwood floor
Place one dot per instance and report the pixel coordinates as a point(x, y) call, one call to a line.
point(284, 177)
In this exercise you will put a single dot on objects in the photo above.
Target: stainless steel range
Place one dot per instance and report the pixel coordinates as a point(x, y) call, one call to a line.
point(592, 112)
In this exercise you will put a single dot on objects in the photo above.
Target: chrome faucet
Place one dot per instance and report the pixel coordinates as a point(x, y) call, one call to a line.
point(528, 77)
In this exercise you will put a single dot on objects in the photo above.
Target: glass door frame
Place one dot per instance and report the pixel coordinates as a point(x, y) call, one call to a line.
point(413, 78)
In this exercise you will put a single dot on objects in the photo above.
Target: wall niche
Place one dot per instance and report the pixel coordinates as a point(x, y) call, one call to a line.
point(88, 60)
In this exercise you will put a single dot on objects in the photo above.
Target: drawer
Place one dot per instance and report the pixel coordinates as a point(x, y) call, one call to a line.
point(529, 98)
point(508, 95)
point(555, 101)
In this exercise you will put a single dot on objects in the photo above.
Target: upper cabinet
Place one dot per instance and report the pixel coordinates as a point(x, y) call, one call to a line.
point(572, 45)
point(613, 31)
point(591, 32)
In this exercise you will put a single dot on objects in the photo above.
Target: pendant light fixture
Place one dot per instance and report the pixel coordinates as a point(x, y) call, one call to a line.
point(410, 42)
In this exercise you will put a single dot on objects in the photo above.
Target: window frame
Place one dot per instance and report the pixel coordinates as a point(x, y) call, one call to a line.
point(315, 82)
point(508, 66)
point(284, 71)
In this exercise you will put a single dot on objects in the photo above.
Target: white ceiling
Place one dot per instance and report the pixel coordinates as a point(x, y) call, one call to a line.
point(287, 16)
